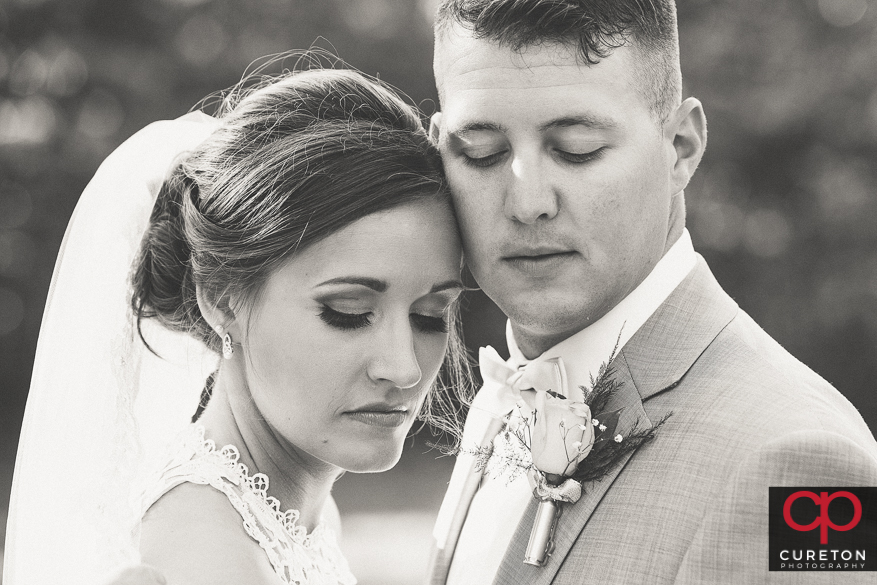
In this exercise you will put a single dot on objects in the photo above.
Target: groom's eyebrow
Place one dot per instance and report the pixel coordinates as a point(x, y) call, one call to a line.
point(471, 127)
point(586, 120)
point(589, 121)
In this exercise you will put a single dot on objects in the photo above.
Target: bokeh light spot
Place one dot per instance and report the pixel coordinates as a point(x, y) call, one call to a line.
point(377, 18)
point(67, 73)
point(29, 73)
point(836, 299)
point(767, 233)
point(15, 205)
point(4, 65)
point(11, 311)
point(718, 225)
point(841, 185)
point(29, 121)
point(842, 12)
point(201, 40)
point(101, 115)
point(428, 8)
point(17, 253)
point(186, 3)
point(872, 112)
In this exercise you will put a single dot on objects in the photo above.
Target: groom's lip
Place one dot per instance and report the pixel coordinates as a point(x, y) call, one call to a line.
point(541, 264)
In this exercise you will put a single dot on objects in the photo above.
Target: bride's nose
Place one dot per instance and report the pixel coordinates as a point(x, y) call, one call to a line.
point(393, 357)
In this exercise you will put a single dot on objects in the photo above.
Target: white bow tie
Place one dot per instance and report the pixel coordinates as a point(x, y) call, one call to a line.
point(516, 385)
point(505, 388)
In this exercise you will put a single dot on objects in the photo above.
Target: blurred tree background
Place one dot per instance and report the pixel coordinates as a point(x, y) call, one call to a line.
point(783, 206)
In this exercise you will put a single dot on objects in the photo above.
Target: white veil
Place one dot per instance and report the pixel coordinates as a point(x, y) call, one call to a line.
point(101, 407)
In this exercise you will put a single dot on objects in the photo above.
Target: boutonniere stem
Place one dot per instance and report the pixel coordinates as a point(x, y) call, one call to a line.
point(541, 542)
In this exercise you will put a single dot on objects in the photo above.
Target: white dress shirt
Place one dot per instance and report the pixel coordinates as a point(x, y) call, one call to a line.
point(498, 505)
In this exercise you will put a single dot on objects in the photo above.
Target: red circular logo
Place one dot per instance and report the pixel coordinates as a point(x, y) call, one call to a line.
point(823, 522)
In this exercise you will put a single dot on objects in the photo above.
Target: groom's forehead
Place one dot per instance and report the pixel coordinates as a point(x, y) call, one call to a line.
point(462, 60)
point(481, 80)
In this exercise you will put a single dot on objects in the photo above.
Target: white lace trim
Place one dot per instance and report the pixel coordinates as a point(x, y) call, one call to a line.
point(297, 557)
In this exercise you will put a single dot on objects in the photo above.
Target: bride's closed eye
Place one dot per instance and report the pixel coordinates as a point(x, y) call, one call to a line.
point(344, 321)
point(428, 324)
point(353, 321)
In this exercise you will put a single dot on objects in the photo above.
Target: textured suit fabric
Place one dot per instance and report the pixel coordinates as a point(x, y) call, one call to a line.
point(691, 506)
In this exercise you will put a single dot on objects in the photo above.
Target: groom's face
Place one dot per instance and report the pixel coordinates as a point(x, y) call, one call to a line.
point(560, 177)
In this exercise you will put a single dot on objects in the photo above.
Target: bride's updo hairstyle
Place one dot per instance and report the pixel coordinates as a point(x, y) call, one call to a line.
point(295, 160)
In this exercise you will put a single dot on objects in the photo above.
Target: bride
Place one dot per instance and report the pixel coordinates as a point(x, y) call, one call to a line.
point(307, 238)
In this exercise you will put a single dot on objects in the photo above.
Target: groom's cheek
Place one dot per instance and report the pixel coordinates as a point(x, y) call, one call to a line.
point(470, 209)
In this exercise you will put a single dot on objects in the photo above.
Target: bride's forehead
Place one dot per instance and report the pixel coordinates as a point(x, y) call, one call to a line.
point(410, 242)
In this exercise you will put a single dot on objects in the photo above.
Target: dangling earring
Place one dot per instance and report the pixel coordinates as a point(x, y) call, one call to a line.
point(227, 347)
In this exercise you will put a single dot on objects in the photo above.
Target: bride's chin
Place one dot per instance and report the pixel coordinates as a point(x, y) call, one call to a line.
point(374, 462)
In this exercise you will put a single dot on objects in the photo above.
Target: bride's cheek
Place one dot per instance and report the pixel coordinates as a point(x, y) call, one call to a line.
point(432, 356)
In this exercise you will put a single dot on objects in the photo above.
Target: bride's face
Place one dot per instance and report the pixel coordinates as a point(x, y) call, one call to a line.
point(346, 338)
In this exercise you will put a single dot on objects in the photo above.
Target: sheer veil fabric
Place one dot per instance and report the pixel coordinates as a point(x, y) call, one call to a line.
point(102, 409)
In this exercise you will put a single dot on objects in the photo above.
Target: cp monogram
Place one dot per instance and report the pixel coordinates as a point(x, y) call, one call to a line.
point(822, 521)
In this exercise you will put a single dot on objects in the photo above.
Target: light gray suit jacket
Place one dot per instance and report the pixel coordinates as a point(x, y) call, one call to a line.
point(691, 506)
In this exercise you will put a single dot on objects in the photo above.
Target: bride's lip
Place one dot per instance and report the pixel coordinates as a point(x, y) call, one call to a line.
point(379, 415)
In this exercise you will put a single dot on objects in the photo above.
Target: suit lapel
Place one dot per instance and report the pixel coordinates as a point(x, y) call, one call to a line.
point(669, 343)
point(654, 360)
point(465, 480)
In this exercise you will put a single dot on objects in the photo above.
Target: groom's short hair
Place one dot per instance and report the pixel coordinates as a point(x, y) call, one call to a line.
point(594, 27)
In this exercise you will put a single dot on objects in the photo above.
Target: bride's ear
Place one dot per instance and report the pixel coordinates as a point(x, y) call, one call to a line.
point(216, 312)
point(435, 127)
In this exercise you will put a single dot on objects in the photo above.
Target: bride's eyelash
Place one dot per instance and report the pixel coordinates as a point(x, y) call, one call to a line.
point(428, 324)
point(344, 321)
point(353, 321)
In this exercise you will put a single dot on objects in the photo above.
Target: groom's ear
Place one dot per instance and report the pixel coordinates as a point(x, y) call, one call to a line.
point(685, 132)
point(435, 127)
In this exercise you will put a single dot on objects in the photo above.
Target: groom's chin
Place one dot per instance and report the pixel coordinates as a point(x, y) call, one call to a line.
point(551, 312)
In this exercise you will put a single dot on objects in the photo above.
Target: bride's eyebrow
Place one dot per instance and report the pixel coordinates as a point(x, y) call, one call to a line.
point(447, 285)
point(372, 283)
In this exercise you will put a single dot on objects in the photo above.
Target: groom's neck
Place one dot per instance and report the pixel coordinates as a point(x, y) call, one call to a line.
point(533, 344)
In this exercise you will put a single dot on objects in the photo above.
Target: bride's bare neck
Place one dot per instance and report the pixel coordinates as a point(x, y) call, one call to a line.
point(297, 480)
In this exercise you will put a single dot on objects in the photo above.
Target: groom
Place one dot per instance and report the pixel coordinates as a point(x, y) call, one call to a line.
point(568, 147)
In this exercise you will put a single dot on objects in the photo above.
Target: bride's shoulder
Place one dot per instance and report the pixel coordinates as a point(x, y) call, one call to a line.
point(193, 536)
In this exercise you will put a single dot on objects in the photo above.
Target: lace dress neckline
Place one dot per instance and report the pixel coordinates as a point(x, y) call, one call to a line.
point(298, 557)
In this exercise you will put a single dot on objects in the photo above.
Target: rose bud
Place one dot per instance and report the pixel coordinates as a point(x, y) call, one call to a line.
point(562, 435)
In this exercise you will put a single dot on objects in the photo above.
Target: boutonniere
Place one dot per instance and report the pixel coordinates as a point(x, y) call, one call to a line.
point(561, 438)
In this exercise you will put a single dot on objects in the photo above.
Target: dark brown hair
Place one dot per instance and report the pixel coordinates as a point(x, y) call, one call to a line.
point(595, 27)
point(295, 159)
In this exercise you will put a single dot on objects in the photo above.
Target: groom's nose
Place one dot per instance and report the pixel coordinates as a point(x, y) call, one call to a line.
point(529, 195)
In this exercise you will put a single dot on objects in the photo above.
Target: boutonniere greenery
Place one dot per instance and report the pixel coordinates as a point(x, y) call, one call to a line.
point(562, 444)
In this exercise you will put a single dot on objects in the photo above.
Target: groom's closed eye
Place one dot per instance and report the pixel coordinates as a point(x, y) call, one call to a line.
point(580, 157)
point(480, 145)
point(577, 143)
point(484, 161)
